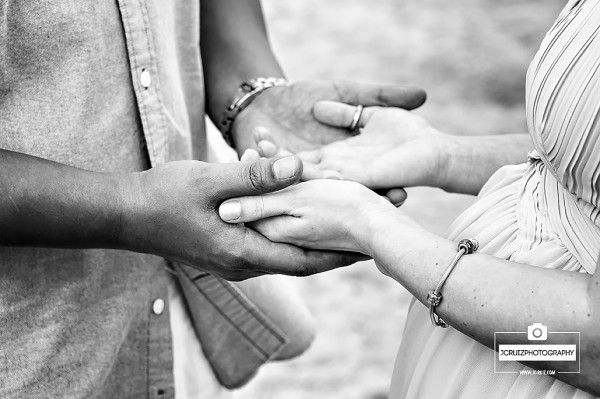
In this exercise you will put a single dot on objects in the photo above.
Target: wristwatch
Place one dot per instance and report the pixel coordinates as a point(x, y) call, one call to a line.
point(248, 91)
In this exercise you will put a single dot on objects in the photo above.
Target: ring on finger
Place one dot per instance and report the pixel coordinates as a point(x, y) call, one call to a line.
point(356, 118)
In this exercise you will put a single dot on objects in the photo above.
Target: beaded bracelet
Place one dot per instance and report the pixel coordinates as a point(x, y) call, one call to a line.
point(248, 93)
point(434, 297)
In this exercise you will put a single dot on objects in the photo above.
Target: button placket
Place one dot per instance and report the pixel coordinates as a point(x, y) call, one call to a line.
point(159, 354)
point(146, 82)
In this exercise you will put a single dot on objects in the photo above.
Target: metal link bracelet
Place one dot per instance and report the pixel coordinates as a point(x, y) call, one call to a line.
point(434, 297)
point(248, 93)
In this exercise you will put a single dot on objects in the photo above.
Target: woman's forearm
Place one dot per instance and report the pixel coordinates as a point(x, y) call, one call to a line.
point(235, 48)
point(469, 161)
point(485, 294)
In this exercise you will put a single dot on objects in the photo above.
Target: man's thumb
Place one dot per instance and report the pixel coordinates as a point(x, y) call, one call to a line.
point(263, 176)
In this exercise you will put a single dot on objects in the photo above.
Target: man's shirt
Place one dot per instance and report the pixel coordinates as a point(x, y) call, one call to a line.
point(108, 86)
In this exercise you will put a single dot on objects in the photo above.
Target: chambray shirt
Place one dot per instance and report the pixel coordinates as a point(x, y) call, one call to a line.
point(108, 86)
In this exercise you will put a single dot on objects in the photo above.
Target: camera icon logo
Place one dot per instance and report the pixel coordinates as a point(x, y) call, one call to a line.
point(537, 332)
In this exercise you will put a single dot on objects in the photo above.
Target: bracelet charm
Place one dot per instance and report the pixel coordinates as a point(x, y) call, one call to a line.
point(434, 297)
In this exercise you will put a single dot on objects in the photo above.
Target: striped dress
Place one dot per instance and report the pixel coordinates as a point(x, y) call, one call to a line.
point(544, 213)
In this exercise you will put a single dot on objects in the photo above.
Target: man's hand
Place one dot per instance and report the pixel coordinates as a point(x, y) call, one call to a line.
point(285, 114)
point(173, 213)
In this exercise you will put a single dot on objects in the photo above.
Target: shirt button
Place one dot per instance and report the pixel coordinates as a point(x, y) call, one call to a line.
point(158, 306)
point(145, 78)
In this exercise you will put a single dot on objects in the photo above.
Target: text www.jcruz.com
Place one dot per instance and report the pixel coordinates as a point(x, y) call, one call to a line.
point(537, 372)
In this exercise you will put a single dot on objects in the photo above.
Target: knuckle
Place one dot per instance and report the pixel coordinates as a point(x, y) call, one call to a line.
point(338, 90)
point(306, 268)
point(256, 176)
point(238, 264)
point(259, 208)
point(232, 256)
point(236, 257)
point(274, 235)
point(243, 254)
point(381, 97)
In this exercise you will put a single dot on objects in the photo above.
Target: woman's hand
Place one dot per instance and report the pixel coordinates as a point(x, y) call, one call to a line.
point(170, 211)
point(320, 214)
point(285, 112)
point(395, 148)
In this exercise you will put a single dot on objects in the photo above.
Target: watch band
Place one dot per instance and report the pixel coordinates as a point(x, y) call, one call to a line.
point(248, 91)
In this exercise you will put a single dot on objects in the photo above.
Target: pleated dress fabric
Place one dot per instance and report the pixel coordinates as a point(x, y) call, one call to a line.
point(544, 213)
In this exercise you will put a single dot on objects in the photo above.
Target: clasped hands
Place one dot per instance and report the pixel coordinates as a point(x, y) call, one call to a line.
point(297, 229)
point(335, 206)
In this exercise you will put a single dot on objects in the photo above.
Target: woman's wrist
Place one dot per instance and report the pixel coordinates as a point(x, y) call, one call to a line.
point(367, 223)
point(410, 254)
point(467, 162)
point(454, 154)
point(382, 224)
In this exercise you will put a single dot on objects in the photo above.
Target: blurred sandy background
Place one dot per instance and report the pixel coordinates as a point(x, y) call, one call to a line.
point(471, 57)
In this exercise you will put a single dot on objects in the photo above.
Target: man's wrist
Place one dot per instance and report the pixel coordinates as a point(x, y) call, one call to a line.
point(132, 210)
point(247, 92)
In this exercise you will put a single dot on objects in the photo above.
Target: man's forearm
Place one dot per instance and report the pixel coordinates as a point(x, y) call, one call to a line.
point(471, 161)
point(47, 204)
point(169, 211)
point(235, 48)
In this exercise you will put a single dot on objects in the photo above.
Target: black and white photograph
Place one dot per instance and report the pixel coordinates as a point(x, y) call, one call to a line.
point(275, 199)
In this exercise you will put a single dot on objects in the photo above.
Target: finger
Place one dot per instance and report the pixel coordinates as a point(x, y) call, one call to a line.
point(276, 229)
point(250, 155)
point(310, 156)
point(257, 177)
point(313, 172)
point(340, 115)
point(381, 95)
point(267, 145)
point(283, 152)
point(382, 193)
point(267, 149)
point(250, 209)
point(397, 196)
point(264, 255)
point(262, 133)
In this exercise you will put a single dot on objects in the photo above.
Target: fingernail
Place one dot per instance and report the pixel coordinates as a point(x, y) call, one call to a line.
point(284, 168)
point(230, 210)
